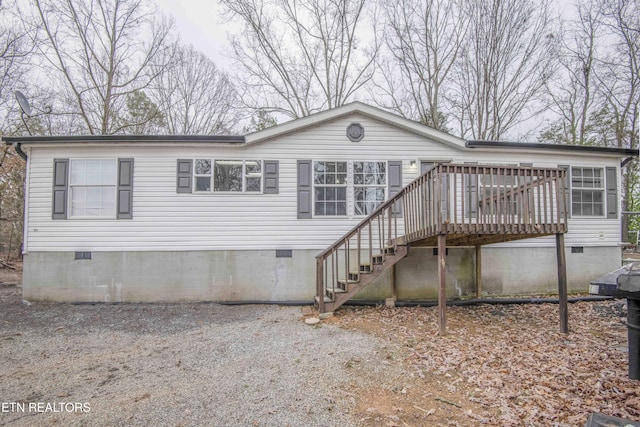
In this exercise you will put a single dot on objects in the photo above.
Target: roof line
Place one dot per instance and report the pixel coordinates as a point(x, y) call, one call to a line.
point(554, 147)
point(87, 139)
point(358, 107)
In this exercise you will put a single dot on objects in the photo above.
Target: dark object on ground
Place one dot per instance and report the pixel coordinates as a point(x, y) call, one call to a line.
point(600, 420)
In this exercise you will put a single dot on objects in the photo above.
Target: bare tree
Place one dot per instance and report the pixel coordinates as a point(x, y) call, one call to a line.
point(304, 56)
point(504, 63)
point(196, 97)
point(620, 80)
point(620, 76)
point(16, 46)
point(102, 49)
point(423, 40)
point(572, 91)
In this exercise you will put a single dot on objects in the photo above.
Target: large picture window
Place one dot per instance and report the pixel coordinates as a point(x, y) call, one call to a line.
point(93, 188)
point(338, 185)
point(228, 175)
point(587, 191)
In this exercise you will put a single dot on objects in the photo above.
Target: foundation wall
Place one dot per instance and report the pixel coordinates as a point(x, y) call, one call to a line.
point(262, 276)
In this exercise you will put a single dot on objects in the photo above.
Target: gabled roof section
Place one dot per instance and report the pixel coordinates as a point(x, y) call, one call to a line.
point(355, 108)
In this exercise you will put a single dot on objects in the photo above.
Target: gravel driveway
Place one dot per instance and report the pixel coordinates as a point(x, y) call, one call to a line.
point(179, 364)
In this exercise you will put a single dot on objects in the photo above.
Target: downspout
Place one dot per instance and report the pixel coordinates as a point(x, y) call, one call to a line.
point(625, 161)
point(21, 153)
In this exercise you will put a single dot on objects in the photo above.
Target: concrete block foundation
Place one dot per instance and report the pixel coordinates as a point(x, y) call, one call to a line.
point(263, 276)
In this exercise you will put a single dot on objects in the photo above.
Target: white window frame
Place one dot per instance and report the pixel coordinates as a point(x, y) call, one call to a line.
point(384, 186)
point(245, 176)
point(349, 185)
point(202, 175)
point(345, 185)
point(602, 190)
point(74, 186)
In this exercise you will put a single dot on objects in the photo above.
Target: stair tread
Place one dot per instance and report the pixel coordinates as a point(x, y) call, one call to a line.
point(366, 273)
point(326, 299)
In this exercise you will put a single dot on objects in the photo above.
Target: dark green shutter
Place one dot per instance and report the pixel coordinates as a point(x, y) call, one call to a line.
point(305, 177)
point(395, 183)
point(565, 198)
point(612, 192)
point(60, 188)
point(270, 177)
point(125, 188)
point(184, 177)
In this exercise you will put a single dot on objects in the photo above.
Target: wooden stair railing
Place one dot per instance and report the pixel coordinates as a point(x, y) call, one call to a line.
point(472, 203)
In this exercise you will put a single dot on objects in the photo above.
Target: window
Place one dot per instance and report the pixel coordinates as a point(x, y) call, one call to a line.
point(228, 175)
point(369, 185)
point(203, 175)
point(93, 188)
point(330, 188)
point(339, 185)
point(587, 191)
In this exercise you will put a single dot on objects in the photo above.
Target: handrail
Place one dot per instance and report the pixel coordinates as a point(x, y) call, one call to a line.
point(355, 229)
point(460, 199)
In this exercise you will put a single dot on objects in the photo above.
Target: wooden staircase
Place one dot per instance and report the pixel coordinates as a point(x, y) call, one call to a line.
point(366, 274)
point(470, 205)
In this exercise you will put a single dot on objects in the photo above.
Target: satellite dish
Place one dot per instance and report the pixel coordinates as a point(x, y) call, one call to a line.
point(24, 104)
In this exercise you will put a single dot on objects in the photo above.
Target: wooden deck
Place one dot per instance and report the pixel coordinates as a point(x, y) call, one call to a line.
point(449, 205)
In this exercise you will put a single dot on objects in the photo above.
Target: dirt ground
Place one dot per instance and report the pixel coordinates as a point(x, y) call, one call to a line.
point(498, 365)
point(501, 365)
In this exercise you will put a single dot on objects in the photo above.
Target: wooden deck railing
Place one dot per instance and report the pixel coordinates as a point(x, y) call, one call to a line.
point(471, 203)
point(471, 199)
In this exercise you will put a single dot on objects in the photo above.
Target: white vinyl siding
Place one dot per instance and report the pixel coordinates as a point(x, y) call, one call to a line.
point(164, 220)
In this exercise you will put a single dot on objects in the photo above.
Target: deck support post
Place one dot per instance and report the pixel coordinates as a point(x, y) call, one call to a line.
point(562, 283)
point(394, 286)
point(320, 284)
point(478, 271)
point(442, 279)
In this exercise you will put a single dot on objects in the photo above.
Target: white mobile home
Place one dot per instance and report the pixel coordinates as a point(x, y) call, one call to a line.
point(172, 218)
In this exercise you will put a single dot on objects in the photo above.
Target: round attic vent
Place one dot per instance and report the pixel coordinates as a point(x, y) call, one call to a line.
point(355, 132)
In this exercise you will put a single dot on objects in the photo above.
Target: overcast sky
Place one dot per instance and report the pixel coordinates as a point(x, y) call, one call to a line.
point(199, 23)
